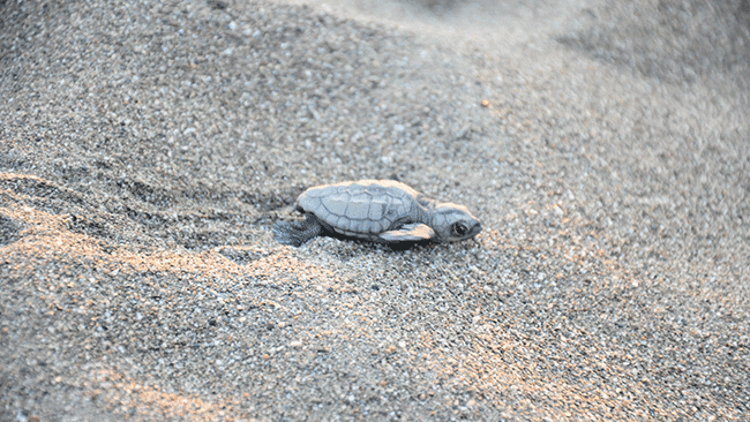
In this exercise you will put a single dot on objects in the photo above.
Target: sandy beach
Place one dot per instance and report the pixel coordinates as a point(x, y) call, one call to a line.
point(147, 147)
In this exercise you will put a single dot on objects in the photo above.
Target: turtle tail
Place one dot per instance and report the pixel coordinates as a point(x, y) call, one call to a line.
point(295, 233)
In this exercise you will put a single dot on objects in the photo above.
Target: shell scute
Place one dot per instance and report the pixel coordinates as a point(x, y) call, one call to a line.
point(375, 211)
point(336, 204)
point(308, 203)
point(381, 207)
point(359, 207)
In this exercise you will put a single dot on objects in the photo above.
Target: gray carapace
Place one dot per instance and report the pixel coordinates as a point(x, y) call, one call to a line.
point(383, 211)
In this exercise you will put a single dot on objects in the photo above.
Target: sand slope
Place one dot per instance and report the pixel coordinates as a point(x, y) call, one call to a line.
point(146, 147)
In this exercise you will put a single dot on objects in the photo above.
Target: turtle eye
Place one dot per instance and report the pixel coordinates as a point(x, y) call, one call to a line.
point(459, 229)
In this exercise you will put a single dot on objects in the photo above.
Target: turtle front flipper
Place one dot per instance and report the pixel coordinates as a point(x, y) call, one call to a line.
point(409, 233)
point(295, 233)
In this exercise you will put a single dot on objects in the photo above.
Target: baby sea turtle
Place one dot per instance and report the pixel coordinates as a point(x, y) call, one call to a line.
point(377, 210)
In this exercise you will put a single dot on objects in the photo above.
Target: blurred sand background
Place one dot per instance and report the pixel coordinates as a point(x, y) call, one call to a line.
point(147, 146)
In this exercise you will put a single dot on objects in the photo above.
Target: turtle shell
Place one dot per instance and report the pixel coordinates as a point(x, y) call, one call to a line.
point(362, 209)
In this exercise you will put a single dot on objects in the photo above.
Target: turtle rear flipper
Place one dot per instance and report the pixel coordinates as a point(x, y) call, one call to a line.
point(295, 233)
point(409, 233)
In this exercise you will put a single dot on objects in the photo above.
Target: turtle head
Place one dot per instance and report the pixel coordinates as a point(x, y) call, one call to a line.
point(453, 222)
